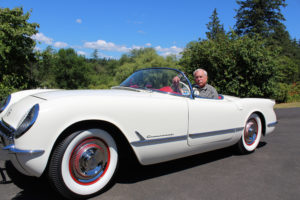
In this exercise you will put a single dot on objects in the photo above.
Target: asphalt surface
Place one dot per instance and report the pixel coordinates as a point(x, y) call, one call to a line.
point(271, 172)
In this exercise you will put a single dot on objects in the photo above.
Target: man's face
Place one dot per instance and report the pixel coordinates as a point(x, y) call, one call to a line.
point(200, 78)
point(176, 80)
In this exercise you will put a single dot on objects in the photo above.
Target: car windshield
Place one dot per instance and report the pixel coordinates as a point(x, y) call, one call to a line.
point(159, 80)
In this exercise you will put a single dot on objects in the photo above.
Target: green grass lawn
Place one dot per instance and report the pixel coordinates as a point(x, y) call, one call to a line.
point(288, 105)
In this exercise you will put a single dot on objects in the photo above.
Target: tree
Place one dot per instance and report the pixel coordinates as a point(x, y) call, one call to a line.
point(71, 70)
point(215, 29)
point(102, 73)
point(287, 70)
point(142, 58)
point(264, 17)
point(43, 68)
point(236, 66)
point(95, 54)
point(16, 47)
point(259, 17)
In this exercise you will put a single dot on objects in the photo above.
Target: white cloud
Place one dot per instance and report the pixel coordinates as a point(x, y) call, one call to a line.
point(40, 37)
point(136, 47)
point(112, 47)
point(60, 44)
point(169, 51)
point(82, 53)
point(106, 46)
point(79, 21)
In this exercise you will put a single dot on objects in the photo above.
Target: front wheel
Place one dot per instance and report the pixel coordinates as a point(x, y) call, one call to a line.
point(83, 163)
point(251, 135)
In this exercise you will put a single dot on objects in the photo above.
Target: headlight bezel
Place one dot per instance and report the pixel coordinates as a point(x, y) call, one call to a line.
point(28, 121)
point(4, 103)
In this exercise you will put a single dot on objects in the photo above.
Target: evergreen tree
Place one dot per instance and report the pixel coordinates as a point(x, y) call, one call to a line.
point(264, 17)
point(95, 54)
point(215, 29)
point(259, 17)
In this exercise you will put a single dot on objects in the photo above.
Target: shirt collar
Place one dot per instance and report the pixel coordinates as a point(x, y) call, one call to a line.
point(203, 88)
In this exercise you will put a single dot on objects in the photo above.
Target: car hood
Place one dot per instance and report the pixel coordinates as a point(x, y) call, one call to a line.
point(18, 110)
point(86, 93)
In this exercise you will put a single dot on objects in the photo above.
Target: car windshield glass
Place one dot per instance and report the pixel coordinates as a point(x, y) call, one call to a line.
point(159, 80)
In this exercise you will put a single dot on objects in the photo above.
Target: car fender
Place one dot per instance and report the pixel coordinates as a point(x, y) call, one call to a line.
point(58, 115)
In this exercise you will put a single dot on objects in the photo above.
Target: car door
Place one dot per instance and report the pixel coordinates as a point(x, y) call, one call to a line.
point(161, 116)
point(212, 121)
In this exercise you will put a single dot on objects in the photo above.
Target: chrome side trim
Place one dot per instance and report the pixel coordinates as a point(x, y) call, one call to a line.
point(140, 136)
point(157, 141)
point(145, 142)
point(272, 124)
point(213, 133)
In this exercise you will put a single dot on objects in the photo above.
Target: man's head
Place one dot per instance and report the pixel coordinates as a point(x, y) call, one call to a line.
point(200, 76)
point(176, 81)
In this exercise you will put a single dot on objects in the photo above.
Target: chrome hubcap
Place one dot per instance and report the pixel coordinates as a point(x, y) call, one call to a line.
point(251, 131)
point(89, 161)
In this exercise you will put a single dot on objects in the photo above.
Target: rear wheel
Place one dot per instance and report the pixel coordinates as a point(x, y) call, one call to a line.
point(83, 164)
point(251, 136)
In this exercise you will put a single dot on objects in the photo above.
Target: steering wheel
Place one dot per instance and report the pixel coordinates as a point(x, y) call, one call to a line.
point(185, 88)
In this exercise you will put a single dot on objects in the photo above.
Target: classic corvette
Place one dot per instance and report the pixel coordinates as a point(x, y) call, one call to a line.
point(76, 137)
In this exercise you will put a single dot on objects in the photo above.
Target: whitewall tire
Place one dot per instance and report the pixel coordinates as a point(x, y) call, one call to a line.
point(251, 134)
point(84, 163)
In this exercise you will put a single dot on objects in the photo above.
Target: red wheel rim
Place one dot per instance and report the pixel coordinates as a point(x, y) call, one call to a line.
point(251, 132)
point(89, 161)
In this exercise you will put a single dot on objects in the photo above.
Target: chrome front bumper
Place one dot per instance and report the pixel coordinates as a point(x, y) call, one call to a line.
point(7, 148)
point(7, 151)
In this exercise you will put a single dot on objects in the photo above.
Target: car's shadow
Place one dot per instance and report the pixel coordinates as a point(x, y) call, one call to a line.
point(128, 173)
point(131, 173)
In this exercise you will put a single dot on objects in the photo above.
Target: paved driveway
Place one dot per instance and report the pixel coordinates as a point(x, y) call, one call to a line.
point(272, 172)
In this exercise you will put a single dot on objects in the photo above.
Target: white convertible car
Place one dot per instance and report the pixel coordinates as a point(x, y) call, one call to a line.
point(76, 137)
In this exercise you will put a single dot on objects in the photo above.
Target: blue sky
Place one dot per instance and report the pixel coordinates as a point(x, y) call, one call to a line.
point(115, 27)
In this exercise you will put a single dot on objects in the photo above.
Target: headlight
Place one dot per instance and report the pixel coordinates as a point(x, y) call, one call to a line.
point(4, 103)
point(28, 121)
